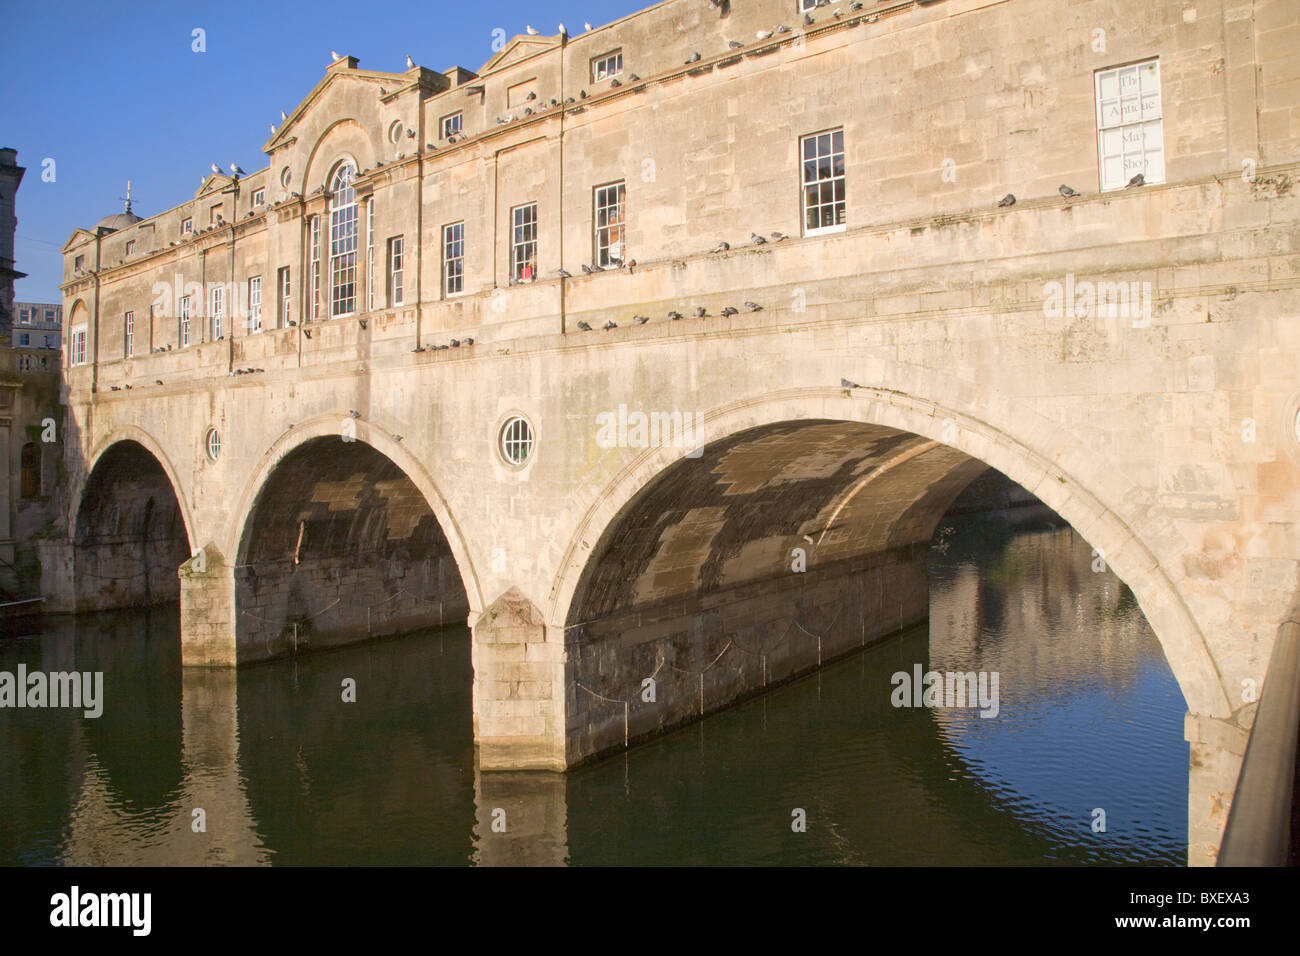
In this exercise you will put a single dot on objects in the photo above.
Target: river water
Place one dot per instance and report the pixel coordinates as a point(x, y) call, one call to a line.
point(270, 766)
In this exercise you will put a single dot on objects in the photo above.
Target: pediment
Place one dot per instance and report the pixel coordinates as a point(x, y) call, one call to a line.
point(284, 134)
point(520, 48)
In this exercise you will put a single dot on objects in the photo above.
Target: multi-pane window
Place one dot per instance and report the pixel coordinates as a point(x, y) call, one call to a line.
point(23, 316)
point(49, 342)
point(282, 285)
point(79, 263)
point(218, 311)
point(823, 182)
point(315, 267)
point(255, 304)
point(185, 321)
point(1130, 134)
point(128, 334)
point(610, 209)
point(523, 242)
point(187, 227)
point(343, 242)
point(259, 197)
point(25, 338)
point(603, 67)
point(370, 253)
point(396, 269)
point(453, 258)
point(130, 247)
point(77, 345)
point(451, 124)
point(49, 315)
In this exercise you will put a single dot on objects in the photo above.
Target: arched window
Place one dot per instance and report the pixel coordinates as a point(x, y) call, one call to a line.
point(31, 471)
point(343, 241)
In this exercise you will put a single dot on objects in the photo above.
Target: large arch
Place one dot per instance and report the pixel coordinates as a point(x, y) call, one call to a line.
point(1185, 647)
point(131, 527)
point(339, 543)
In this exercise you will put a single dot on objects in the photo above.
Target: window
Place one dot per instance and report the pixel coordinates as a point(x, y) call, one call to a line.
point(806, 5)
point(823, 182)
point(24, 338)
point(79, 263)
point(185, 321)
point(395, 268)
point(77, 346)
point(214, 214)
point(610, 215)
point(282, 284)
point(315, 267)
point(259, 197)
point(49, 315)
point(130, 247)
point(516, 441)
point(218, 311)
point(212, 443)
point(187, 227)
point(31, 471)
point(286, 177)
point(343, 242)
point(603, 67)
point(1130, 134)
point(523, 243)
point(255, 304)
point(521, 93)
point(128, 334)
point(450, 124)
point(453, 258)
point(49, 342)
point(370, 253)
point(23, 317)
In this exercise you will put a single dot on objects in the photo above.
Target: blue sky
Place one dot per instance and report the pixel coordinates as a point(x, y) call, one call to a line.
point(112, 92)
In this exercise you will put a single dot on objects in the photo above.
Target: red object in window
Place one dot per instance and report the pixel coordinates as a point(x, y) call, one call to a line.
point(527, 272)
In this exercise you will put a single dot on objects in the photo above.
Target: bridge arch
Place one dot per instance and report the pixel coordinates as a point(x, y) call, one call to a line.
point(131, 525)
point(338, 540)
point(937, 432)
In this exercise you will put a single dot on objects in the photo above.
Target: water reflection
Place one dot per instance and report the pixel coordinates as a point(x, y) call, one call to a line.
point(286, 772)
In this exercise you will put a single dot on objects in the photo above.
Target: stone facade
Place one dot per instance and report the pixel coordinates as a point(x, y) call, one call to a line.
point(920, 334)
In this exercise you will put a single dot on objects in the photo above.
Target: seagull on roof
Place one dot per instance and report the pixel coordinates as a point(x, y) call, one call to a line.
point(335, 55)
point(410, 64)
point(272, 129)
point(216, 169)
point(587, 26)
point(235, 170)
point(531, 31)
point(563, 32)
point(283, 116)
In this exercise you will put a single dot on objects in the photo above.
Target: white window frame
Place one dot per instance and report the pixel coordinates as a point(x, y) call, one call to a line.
point(370, 253)
point(453, 259)
point(396, 270)
point(218, 312)
point(77, 344)
point(451, 124)
point(259, 197)
point(806, 5)
point(609, 219)
point(607, 66)
point(23, 318)
point(187, 226)
point(523, 242)
point(284, 282)
point(344, 230)
point(128, 335)
point(130, 247)
point(818, 181)
point(1130, 124)
point(315, 268)
point(186, 315)
point(255, 304)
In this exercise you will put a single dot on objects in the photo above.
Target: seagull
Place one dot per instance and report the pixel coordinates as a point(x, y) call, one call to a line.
point(693, 57)
point(753, 307)
point(735, 44)
point(235, 170)
point(563, 32)
point(779, 236)
point(722, 247)
point(1007, 200)
point(1067, 192)
point(335, 55)
point(674, 316)
point(283, 116)
point(610, 324)
point(1138, 180)
point(563, 274)
point(272, 129)
point(216, 169)
point(410, 64)
point(587, 26)
point(640, 319)
point(701, 312)
point(729, 311)
point(531, 31)
point(756, 239)
point(584, 326)
point(845, 383)
point(763, 34)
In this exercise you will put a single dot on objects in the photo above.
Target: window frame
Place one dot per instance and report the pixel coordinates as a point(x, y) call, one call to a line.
point(187, 226)
point(217, 312)
point(284, 293)
point(129, 249)
point(185, 321)
point(77, 344)
point(397, 270)
point(602, 252)
point(448, 259)
point(523, 251)
point(255, 304)
point(314, 228)
point(128, 334)
point(259, 197)
point(458, 116)
point(344, 240)
point(1139, 125)
point(597, 61)
point(804, 183)
point(370, 253)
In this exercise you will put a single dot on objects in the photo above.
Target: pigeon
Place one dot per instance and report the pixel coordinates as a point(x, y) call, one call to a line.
point(610, 324)
point(334, 54)
point(779, 236)
point(500, 121)
point(467, 341)
point(763, 34)
point(568, 100)
point(586, 269)
point(235, 170)
point(729, 311)
point(584, 326)
point(454, 343)
point(633, 78)
point(410, 64)
point(563, 274)
point(753, 307)
point(1067, 192)
point(674, 316)
point(531, 31)
point(694, 57)
point(114, 388)
point(640, 319)
point(157, 381)
point(528, 111)
point(307, 332)
point(783, 29)
point(1138, 180)
point(614, 84)
point(808, 20)
point(722, 247)
point(855, 5)
point(701, 312)
point(354, 413)
point(756, 239)
point(397, 438)
point(735, 44)
point(531, 96)
point(1007, 200)
point(361, 322)
point(845, 383)
point(582, 94)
